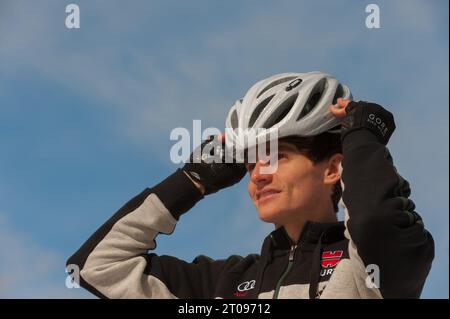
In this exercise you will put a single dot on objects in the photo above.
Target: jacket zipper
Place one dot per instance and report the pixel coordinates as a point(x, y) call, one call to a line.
point(287, 270)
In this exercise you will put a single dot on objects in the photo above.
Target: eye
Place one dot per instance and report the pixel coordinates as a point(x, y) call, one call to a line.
point(282, 155)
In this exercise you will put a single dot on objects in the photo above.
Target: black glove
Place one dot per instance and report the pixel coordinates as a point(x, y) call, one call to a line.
point(370, 116)
point(207, 166)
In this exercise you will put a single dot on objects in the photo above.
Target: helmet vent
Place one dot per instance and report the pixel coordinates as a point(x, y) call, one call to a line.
point(259, 109)
point(313, 99)
point(234, 119)
point(339, 93)
point(281, 111)
point(274, 83)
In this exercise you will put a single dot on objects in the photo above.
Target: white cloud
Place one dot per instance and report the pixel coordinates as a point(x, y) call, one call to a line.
point(130, 81)
point(415, 16)
point(28, 270)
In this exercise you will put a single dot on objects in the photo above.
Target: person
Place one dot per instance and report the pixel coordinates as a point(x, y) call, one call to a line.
point(330, 149)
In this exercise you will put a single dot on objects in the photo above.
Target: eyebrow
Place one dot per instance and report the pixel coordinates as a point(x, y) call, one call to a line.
point(286, 146)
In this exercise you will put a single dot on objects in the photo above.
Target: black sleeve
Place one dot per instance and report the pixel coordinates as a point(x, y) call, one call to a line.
point(114, 262)
point(382, 221)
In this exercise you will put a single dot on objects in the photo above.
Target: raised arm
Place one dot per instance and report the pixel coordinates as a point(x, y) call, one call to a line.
point(383, 227)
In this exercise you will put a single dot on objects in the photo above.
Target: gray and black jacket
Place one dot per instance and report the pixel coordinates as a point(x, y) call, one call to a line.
point(381, 250)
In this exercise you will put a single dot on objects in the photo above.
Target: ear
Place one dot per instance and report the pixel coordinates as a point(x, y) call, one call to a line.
point(332, 174)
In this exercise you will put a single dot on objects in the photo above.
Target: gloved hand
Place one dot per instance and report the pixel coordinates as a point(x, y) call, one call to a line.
point(207, 166)
point(364, 115)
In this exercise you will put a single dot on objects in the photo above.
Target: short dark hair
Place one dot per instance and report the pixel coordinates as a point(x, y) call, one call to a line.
point(318, 148)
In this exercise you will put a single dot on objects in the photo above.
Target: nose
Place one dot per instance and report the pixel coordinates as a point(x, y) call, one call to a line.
point(258, 178)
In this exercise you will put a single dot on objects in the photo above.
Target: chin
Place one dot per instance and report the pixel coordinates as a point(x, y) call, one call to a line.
point(271, 214)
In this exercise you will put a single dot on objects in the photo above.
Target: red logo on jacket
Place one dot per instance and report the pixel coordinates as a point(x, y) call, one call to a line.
point(331, 258)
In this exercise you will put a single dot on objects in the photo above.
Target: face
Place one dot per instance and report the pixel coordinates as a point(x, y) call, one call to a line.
point(296, 188)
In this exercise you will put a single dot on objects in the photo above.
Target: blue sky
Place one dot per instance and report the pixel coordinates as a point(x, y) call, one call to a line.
point(86, 114)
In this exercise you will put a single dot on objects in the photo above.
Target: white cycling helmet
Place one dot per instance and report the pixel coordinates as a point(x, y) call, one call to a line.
point(292, 103)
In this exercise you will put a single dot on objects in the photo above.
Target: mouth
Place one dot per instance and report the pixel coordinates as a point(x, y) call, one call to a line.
point(266, 194)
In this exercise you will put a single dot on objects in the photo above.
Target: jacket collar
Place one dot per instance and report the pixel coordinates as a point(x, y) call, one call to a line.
point(312, 231)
